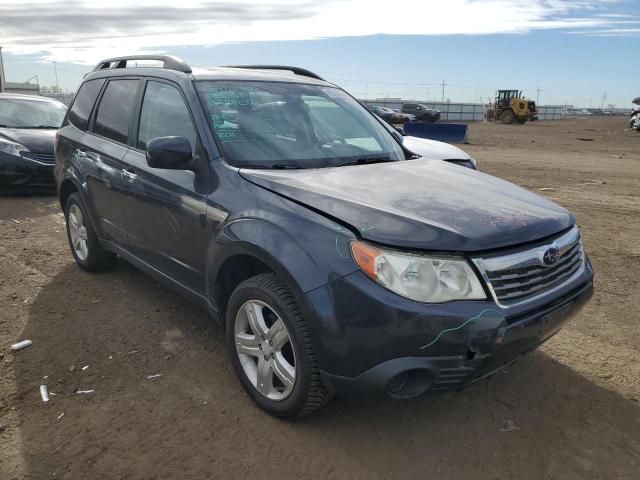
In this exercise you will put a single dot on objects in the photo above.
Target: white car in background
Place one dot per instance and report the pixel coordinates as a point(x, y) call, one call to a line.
point(435, 150)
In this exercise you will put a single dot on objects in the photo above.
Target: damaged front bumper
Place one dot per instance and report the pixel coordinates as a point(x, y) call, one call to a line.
point(373, 341)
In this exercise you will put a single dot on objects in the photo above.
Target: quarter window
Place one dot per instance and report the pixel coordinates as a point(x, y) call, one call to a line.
point(115, 109)
point(164, 114)
point(82, 105)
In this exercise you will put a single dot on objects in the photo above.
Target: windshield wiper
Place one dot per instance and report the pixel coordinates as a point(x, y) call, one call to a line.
point(365, 161)
point(275, 166)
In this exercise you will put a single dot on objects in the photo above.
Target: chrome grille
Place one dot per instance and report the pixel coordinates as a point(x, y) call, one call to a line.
point(42, 158)
point(522, 276)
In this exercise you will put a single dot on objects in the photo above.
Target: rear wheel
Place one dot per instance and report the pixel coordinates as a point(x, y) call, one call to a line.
point(507, 116)
point(271, 350)
point(85, 247)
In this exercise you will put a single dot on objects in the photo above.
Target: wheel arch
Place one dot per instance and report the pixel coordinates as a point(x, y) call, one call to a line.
point(249, 247)
point(70, 184)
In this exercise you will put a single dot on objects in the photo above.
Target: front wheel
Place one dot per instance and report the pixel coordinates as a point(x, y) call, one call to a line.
point(507, 117)
point(271, 349)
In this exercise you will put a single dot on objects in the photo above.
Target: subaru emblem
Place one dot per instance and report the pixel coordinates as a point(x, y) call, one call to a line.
point(551, 256)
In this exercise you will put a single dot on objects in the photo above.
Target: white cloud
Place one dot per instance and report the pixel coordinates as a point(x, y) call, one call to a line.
point(86, 31)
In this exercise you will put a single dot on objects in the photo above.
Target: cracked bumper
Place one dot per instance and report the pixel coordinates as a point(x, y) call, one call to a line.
point(368, 336)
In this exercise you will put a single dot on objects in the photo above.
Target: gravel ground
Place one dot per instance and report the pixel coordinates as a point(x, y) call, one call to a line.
point(568, 411)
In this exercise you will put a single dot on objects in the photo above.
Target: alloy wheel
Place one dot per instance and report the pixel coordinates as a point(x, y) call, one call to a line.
point(78, 232)
point(265, 350)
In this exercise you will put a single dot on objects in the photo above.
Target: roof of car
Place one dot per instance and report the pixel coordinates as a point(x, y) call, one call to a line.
point(171, 66)
point(21, 96)
point(232, 73)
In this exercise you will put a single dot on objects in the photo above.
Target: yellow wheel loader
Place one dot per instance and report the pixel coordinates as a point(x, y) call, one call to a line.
point(510, 106)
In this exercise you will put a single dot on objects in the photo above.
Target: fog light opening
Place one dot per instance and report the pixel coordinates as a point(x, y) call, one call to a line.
point(409, 383)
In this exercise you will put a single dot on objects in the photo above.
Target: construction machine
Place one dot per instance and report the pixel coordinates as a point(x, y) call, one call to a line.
point(510, 106)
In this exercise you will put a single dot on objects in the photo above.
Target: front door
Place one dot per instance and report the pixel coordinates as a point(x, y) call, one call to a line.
point(164, 210)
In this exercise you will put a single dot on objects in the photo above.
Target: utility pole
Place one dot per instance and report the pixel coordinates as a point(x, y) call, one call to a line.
point(443, 85)
point(55, 70)
point(1, 72)
point(538, 96)
point(604, 97)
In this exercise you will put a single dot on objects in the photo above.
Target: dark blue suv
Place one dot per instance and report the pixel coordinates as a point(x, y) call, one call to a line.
point(339, 261)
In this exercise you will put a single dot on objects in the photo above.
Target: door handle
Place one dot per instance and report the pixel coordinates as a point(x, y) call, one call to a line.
point(130, 174)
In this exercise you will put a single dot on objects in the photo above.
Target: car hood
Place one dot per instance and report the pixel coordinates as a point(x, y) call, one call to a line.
point(433, 149)
point(36, 140)
point(422, 204)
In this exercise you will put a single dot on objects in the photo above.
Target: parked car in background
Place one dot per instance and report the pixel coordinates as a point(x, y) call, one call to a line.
point(28, 126)
point(391, 116)
point(421, 112)
point(408, 117)
point(433, 149)
point(339, 261)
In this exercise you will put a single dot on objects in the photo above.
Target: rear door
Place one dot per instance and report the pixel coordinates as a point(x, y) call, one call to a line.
point(105, 146)
point(165, 209)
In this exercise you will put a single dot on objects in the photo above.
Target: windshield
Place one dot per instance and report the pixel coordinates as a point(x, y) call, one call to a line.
point(287, 125)
point(19, 113)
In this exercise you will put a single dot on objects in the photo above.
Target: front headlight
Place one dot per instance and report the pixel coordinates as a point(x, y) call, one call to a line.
point(12, 148)
point(422, 278)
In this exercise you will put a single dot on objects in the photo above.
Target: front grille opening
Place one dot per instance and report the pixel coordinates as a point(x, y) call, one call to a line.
point(518, 283)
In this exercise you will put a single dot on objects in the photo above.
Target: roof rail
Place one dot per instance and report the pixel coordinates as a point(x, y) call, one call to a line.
point(169, 62)
point(296, 70)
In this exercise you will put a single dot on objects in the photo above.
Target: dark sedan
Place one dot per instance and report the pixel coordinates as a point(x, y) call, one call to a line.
point(422, 112)
point(391, 116)
point(28, 125)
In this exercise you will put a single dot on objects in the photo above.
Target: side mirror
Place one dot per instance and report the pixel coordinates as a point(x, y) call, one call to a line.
point(172, 153)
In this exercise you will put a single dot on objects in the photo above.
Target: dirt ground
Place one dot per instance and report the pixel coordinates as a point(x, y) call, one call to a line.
point(573, 407)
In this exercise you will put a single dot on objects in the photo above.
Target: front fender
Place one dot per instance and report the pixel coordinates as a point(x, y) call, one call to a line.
point(305, 261)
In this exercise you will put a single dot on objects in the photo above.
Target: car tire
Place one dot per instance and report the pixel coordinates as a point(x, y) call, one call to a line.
point(83, 241)
point(264, 304)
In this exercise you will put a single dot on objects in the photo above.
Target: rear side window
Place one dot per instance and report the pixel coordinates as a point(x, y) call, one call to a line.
point(82, 105)
point(164, 114)
point(115, 110)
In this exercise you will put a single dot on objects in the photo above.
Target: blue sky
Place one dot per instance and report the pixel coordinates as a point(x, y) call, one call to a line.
point(573, 51)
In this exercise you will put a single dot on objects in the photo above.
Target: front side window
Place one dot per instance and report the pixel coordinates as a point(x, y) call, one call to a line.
point(164, 114)
point(115, 110)
point(271, 124)
point(30, 113)
point(83, 103)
